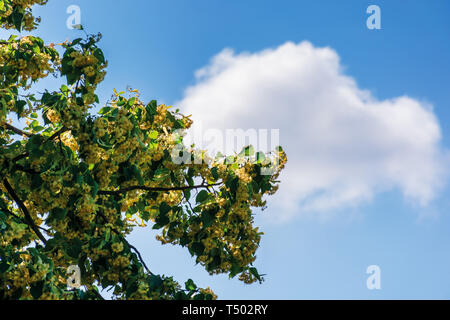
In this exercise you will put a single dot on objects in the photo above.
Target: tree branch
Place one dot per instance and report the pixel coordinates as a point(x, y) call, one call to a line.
point(118, 192)
point(139, 256)
point(97, 294)
point(24, 209)
point(23, 169)
point(56, 134)
point(21, 219)
point(17, 130)
point(131, 246)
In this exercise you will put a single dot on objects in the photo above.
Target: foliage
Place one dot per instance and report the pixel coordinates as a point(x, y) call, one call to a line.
point(74, 184)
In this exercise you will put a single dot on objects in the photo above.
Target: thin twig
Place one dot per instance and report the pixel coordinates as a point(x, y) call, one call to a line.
point(57, 133)
point(131, 188)
point(97, 294)
point(21, 219)
point(131, 246)
point(139, 255)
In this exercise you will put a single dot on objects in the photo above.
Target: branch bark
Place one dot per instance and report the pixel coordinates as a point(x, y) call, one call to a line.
point(17, 130)
point(57, 133)
point(145, 188)
point(130, 245)
point(28, 218)
point(21, 219)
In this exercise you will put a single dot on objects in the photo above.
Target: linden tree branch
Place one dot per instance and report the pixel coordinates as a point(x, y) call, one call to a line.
point(24, 209)
point(145, 188)
point(17, 130)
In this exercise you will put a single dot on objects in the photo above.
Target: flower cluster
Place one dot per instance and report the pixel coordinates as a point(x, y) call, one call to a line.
point(26, 60)
point(17, 14)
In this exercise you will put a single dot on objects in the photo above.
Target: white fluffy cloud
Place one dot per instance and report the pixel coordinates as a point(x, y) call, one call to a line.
point(343, 145)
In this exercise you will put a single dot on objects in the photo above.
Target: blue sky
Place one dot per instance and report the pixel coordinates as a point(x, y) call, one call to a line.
point(156, 47)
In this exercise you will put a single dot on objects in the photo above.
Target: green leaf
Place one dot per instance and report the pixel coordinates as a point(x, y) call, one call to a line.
point(72, 77)
point(198, 248)
point(137, 174)
point(34, 123)
point(187, 194)
point(17, 17)
point(4, 266)
point(208, 218)
point(151, 109)
point(91, 182)
point(184, 240)
point(199, 296)
point(20, 104)
point(132, 287)
point(144, 215)
point(98, 53)
point(214, 173)
point(164, 208)
point(38, 128)
point(162, 218)
point(121, 101)
point(57, 214)
point(36, 181)
point(36, 49)
point(229, 160)
point(131, 101)
point(161, 174)
point(255, 273)
point(260, 157)
point(76, 41)
point(155, 282)
point(74, 248)
point(247, 151)
point(107, 234)
point(235, 269)
point(190, 285)
point(153, 134)
point(12, 37)
point(36, 289)
point(201, 196)
point(64, 89)
point(157, 226)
